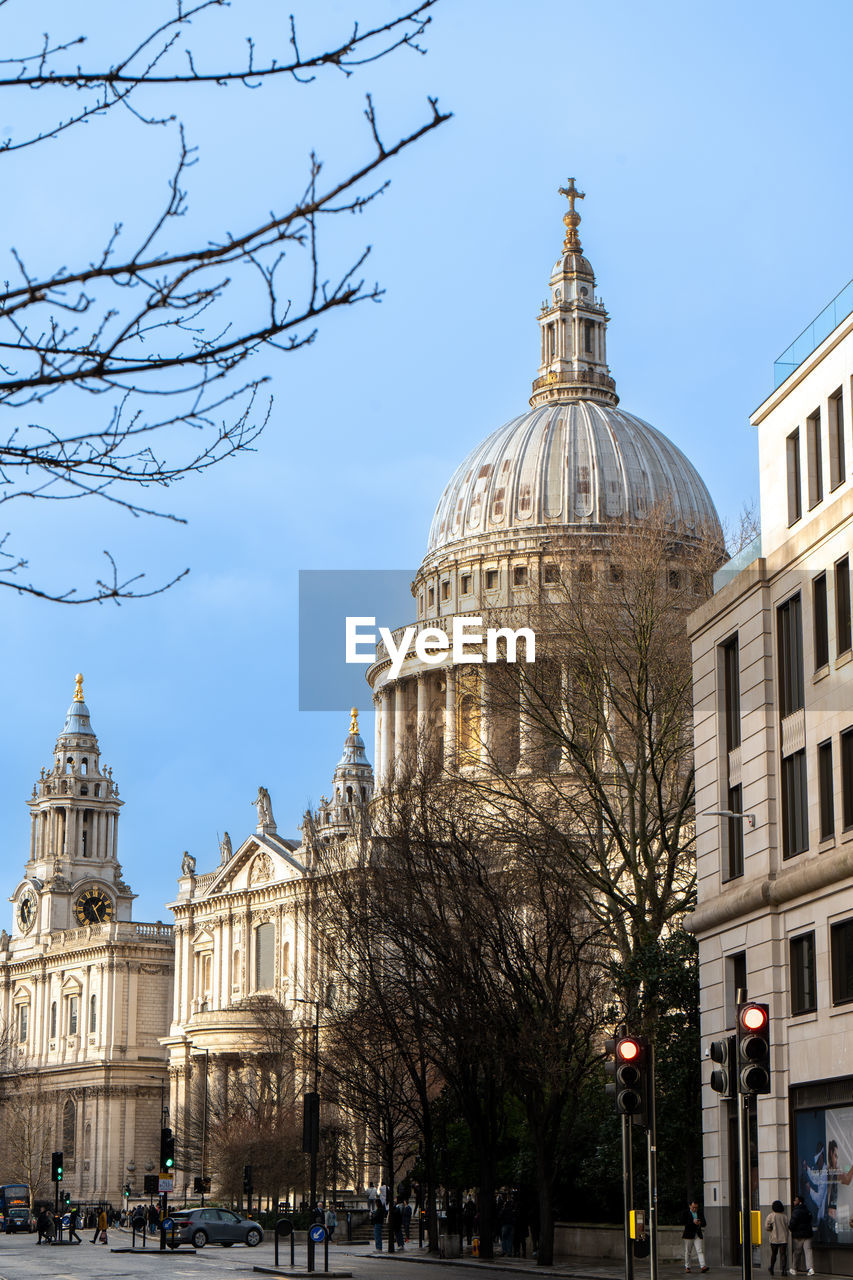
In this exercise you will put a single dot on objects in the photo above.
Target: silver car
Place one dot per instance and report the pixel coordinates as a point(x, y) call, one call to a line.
point(199, 1227)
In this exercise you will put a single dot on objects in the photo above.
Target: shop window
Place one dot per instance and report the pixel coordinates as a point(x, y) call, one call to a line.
point(803, 984)
point(821, 622)
point(841, 956)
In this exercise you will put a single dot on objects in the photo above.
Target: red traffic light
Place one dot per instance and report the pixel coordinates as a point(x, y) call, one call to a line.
point(754, 1017)
point(628, 1050)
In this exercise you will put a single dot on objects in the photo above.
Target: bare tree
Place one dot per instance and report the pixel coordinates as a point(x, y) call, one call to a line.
point(144, 328)
point(26, 1140)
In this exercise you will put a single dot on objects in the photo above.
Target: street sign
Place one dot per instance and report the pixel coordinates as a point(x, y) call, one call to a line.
point(167, 1224)
point(166, 1184)
point(66, 1220)
point(318, 1233)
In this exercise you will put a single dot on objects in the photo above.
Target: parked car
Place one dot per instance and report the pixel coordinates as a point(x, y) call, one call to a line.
point(199, 1227)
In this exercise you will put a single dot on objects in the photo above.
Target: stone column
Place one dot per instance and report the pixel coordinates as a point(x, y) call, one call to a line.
point(423, 709)
point(399, 721)
point(450, 719)
point(377, 735)
point(486, 735)
point(565, 717)
point(387, 735)
point(33, 820)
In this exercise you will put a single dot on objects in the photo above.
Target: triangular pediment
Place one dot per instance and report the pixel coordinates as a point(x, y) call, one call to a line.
point(262, 859)
point(204, 938)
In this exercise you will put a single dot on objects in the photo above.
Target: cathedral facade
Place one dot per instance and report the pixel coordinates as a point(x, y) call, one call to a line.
point(85, 988)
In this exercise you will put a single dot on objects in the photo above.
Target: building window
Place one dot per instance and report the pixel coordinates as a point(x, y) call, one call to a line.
point(842, 605)
point(549, 572)
point(825, 791)
point(69, 1130)
point(491, 579)
point(837, 470)
point(445, 589)
point(735, 833)
point(735, 981)
point(795, 829)
point(265, 957)
point(841, 954)
point(731, 692)
point(93, 1013)
point(73, 1013)
point(847, 779)
point(53, 1021)
point(674, 580)
point(23, 1022)
point(790, 629)
point(795, 509)
point(585, 573)
point(519, 575)
point(587, 336)
point(431, 597)
point(465, 585)
point(821, 622)
point(803, 985)
point(814, 459)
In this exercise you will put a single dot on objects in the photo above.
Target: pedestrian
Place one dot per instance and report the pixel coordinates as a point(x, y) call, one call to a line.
point(692, 1234)
point(801, 1238)
point(378, 1220)
point(506, 1223)
point(331, 1222)
point(396, 1223)
point(776, 1227)
point(137, 1219)
point(73, 1224)
point(407, 1220)
point(469, 1212)
point(101, 1228)
point(371, 1198)
point(44, 1226)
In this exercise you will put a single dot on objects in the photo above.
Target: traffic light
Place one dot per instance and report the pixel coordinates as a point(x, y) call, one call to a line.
point(127, 1191)
point(724, 1052)
point(630, 1069)
point(67, 1197)
point(753, 1048)
point(247, 1179)
point(167, 1150)
point(56, 1166)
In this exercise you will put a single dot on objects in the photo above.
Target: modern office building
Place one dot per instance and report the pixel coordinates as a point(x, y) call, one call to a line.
point(773, 693)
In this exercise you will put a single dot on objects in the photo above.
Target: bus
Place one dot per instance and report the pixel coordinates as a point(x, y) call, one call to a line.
point(15, 1205)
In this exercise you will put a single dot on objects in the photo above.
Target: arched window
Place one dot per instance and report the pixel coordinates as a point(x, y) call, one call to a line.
point(23, 1022)
point(53, 1021)
point(84, 766)
point(93, 1013)
point(285, 960)
point(68, 764)
point(349, 795)
point(235, 969)
point(73, 1014)
point(265, 957)
point(69, 1129)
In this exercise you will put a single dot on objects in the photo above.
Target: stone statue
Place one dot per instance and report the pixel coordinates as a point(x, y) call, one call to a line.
point(225, 850)
point(4, 940)
point(262, 803)
point(187, 864)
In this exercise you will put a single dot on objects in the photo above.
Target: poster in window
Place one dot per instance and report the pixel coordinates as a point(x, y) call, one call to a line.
point(824, 1140)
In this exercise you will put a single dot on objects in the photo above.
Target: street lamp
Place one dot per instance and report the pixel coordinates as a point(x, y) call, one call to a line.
point(749, 818)
point(313, 1130)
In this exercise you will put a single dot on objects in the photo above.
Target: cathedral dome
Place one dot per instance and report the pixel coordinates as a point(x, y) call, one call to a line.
point(572, 463)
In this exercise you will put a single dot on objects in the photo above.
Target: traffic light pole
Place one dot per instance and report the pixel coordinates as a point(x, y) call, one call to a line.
point(652, 1149)
point(627, 1194)
point(745, 1187)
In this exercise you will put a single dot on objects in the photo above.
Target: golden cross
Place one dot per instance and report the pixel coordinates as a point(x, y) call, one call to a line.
point(572, 194)
point(571, 219)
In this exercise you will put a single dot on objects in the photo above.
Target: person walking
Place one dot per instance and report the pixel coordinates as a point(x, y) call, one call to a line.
point(801, 1238)
point(44, 1226)
point(396, 1223)
point(776, 1226)
point(407, 1220)
point(73, 1224)
point(101, 1228)
point(378, 1220)
point(694, 1222)
point(331, 1222)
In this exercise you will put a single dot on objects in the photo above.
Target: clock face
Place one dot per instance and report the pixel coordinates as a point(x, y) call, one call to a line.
point(93, 907)
point(27, 910)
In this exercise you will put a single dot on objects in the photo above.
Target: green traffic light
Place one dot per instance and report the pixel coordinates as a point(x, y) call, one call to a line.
point(169, 1162)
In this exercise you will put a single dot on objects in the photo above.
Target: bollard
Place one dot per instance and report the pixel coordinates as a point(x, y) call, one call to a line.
point(349, 1227)
point(283, 1227)
point(326, 1252)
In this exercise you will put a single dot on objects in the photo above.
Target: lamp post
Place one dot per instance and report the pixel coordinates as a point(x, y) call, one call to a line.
point(311, 1127)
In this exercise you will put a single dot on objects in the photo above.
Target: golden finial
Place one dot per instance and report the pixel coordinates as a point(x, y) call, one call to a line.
point(353, 724)
point(78, 692)
point(572, 219)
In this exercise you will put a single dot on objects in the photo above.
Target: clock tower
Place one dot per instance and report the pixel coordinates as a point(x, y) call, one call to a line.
point(84, 990)
point(73, 876)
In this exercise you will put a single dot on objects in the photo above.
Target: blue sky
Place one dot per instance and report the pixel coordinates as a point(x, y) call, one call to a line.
point(711, 142)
